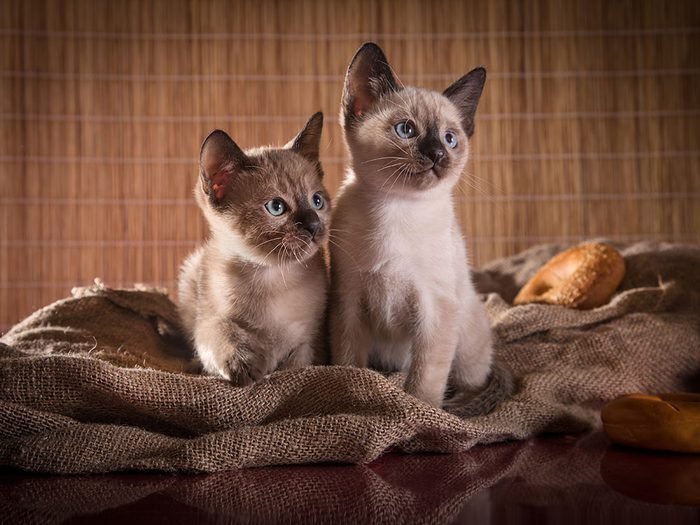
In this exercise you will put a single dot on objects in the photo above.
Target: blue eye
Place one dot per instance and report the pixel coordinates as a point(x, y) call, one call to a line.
point(276, 207)
point(317, 201)
point(405, 129)
point(451, 139)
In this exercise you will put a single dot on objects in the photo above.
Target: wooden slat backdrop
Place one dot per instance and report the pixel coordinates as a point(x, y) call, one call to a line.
point(588, 125)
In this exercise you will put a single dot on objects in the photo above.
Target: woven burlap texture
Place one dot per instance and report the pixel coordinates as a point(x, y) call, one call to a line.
point(97, 383)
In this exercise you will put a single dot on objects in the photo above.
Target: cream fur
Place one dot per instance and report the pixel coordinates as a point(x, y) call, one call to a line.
point(401, 291)
point(253, 297)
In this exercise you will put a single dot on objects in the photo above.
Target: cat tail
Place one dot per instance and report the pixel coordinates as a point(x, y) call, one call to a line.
point(499, 387)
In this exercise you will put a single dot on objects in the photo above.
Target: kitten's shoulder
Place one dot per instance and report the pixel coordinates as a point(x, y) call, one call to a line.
point(193, 261)
point(189, 275)
point(196, 268)
point(188, 288)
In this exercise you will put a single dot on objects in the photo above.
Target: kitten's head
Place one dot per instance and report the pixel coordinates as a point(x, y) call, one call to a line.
point(406, 139)
point(267, 205)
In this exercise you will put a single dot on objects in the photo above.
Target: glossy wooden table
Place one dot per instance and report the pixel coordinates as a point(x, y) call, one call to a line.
point(563, 479)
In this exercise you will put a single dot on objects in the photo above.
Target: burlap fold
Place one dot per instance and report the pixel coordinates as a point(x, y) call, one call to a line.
point(99, 382)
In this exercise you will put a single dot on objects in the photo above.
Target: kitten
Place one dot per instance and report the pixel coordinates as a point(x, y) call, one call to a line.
point(252, 299)
point(401, 290)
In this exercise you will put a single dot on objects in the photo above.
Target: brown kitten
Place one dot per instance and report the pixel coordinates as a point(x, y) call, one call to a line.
point(253, 297)
point(401, 290)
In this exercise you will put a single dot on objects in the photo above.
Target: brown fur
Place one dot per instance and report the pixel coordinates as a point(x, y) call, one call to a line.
point(401, 291)
point(252, 298)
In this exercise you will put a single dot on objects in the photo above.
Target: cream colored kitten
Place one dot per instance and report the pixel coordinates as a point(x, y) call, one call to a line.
point(252, 299)
point(401, 290)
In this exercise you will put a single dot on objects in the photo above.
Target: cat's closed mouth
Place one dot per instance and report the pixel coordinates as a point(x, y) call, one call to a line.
point(429, 171)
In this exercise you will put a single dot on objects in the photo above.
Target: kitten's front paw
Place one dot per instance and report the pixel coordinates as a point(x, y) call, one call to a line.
point(246, 367)
point(433, 398)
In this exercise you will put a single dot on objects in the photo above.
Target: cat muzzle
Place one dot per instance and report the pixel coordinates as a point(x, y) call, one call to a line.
point(432, 150)
point(436, 155)
point(434, 160)
point(434, 169)
point(309, 221)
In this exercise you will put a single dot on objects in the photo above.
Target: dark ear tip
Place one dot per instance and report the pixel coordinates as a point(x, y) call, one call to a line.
point(317, 116)
point(369, 48)
point(219, 144)
point(315, 123)
point(217, 134)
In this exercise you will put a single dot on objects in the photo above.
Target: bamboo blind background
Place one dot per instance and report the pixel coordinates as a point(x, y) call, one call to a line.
point(588, 125)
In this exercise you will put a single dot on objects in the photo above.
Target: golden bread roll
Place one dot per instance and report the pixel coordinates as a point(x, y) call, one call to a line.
point(662, 422)
point(582, 277)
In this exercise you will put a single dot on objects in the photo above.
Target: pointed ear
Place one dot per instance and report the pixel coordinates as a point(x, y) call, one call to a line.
point(308, 141)
point(465, 94)
point(367, 79)
point(219, 159)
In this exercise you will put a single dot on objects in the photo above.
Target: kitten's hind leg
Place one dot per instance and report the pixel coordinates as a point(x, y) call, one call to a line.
point(228, 350)
point(476, 386)
point(474, 355)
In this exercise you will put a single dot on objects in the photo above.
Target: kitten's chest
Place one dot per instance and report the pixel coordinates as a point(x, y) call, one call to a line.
point(390, 304)
point(411, 269)
point(418, 248)
point(292, 308)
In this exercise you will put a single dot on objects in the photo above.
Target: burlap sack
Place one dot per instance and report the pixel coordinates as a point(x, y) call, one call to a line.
point(98, 382)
